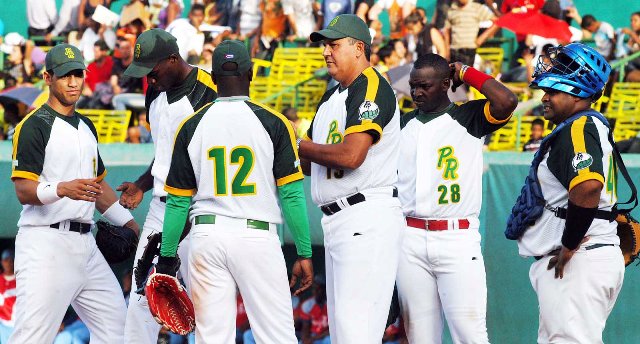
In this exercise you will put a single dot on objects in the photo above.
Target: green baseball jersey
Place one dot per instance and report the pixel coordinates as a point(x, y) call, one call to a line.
point(578, 153)
point(51, 147)
point(230, 156)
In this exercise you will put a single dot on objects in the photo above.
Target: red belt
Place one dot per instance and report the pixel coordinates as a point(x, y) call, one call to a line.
point(435, 225)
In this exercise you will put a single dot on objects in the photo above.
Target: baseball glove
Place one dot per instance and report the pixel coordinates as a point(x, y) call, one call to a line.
point(116, 243)
point(145, 262)
point(629, 233)
point(169, 303)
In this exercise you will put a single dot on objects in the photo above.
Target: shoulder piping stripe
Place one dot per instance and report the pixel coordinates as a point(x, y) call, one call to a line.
point(205, 79)
point(16, 134)
point(577, 139)
point(292, 135)
point(185, 121)
point(372, 84)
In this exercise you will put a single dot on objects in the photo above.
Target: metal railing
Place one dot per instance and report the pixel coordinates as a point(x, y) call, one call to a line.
point(620, 64)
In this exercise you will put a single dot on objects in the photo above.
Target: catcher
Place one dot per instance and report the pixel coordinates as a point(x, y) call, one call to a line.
point(570, 228)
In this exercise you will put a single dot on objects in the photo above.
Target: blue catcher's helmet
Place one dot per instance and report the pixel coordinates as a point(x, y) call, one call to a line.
point(576, 69)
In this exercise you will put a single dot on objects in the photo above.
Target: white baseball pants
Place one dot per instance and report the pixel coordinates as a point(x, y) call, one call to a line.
point(574, 309)
point(140, 327)
point(55, 268)
point(442, 273)
point(362, 244)
point(226, 257)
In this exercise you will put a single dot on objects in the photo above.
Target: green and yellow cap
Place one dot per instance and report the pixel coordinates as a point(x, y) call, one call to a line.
point(64, 58)
point(152, 46)
point(344, 25)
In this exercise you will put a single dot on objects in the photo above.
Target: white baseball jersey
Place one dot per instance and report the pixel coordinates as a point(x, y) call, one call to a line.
point(166, 110)
point(440, 172)
point(367, 105)
point(234, 172)
point(578, 153)
point(54, 267)
point(51, 147)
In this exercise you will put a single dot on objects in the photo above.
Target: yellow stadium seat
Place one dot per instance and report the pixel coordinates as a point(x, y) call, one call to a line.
point(521, 89)
point(257, 64)
point(515, 134)
point(491, 58)
point(626, 127)
point(289, 67)
point(111, 125)
point(624, 100)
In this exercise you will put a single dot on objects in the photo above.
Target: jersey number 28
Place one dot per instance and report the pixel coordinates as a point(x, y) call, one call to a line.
point(240, 155)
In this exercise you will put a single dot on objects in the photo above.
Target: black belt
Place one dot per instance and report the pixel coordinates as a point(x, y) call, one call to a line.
point(163, 199)
point(75, 227)
point(590, 247)
point(600, 214)
point(332, 208)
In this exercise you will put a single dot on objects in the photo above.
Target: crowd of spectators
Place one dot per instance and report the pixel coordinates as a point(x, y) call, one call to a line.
point(455, 30)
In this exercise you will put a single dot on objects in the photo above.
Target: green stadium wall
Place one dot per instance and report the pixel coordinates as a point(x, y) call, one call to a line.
point(512, 304)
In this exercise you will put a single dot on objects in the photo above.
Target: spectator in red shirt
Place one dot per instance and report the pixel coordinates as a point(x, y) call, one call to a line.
point(8, 296)
point(97, 92)
point(520, 6)
point(315, 321)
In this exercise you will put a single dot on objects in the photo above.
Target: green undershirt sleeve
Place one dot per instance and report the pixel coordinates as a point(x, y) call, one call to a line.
point(175, 216)
point(294, 209)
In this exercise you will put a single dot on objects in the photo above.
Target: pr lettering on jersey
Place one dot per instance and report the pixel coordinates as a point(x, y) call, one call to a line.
point(581, 161)
point(368, 110)
point(334, 136)
point(448, 163)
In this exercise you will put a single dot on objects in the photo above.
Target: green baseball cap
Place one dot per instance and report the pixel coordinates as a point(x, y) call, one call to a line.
point(64, 58)
point(344, 25)
point(152, 46)
point(231, 51)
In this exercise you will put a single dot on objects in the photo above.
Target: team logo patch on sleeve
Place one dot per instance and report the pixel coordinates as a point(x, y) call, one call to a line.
point(368, 110)
point(581, 161)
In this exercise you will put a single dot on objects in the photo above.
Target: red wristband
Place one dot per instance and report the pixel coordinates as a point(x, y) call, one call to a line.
point(475, 78)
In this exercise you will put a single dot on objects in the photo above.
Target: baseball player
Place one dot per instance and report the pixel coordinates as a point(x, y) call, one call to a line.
point(59, 178)
point(352, 146)
point(441, 268)
point(238, 162)
point(579, 268)
point(176, 90)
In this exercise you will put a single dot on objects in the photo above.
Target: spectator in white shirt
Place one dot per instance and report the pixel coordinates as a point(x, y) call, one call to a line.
point(41, 15)
point(189, 38)
point(603, 34)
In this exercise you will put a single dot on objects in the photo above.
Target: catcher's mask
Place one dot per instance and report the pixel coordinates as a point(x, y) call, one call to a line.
point(576, 69)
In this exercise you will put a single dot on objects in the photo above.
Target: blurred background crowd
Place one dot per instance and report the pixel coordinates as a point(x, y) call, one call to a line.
point(504, 38)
